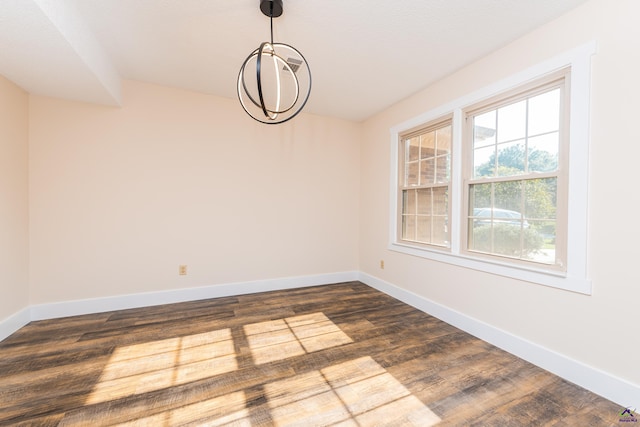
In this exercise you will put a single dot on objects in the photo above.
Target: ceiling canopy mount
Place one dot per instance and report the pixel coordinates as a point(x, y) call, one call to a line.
point(271, 8)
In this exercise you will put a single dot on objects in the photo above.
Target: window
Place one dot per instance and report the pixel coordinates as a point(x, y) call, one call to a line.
point(515, 147)
point(483, 182)
point(425, 177)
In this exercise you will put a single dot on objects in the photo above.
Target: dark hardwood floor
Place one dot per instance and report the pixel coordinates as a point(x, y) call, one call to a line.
point(336, 355)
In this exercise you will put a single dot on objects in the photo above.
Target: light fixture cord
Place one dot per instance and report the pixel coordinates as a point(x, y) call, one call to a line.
point(271, 18)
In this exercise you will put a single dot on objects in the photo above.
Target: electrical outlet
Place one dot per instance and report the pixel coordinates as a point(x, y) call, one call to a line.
point(182, 270)
point(382, 264)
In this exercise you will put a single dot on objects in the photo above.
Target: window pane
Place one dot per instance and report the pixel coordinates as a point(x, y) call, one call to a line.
point(480, 197)
point(443, 169)
point(424, 229)
point(544, 113)
point(425, 215)
point(409, 227)
point(440, 201)
point(479, 236)
point(541, 199)
point(411, 178)
point(512, 121)
point(507, 239)
point(427, 171)
point(511, 158)
point(518, 150)
point(484, 129)
point(543, 152)
point(424, 201)
point(439, 234)
point(444, 141)
point(409, 202)
point(497, 225)
point(508, 196)
point(546, 253)
point(428, 145)
point(412, 149)
point(484, 161)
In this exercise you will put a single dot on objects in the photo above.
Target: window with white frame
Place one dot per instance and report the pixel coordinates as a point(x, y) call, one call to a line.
point(506, 191)
point(425, 177)
point(515, 148)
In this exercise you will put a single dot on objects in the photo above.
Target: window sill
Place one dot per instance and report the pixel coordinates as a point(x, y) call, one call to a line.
point(556, 279)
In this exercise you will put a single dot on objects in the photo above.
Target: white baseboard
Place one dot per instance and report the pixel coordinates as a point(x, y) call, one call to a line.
point(123, 302)
point(615, 389)
point(12, 323)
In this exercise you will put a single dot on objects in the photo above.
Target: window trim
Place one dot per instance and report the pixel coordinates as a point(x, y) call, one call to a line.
point(575, 277)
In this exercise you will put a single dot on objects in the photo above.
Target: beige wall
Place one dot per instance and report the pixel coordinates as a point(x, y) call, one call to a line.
point(121, 196)
point(14, 206)
point(599, 330)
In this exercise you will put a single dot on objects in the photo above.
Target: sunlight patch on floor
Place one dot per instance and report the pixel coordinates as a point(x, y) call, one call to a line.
point(155, 365)
point(293, 336)
point(358, 392)
point(221, 411)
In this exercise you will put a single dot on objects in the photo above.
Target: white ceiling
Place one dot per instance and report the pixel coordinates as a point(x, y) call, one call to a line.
point(364, 55)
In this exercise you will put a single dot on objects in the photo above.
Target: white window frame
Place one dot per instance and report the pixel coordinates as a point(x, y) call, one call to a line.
point(575, 277)
point(559, 80)
point(426, 127)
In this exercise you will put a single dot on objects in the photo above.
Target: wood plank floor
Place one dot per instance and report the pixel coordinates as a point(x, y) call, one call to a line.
point(336, 355)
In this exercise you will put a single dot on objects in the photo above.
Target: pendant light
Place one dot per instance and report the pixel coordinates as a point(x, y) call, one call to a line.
point(281, 84)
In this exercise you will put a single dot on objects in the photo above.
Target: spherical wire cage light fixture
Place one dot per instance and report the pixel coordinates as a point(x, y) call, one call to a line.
point(281, 85)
